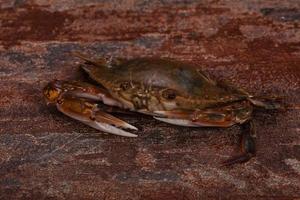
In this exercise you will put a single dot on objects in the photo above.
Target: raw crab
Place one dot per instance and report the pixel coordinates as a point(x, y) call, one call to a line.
point(171, 91)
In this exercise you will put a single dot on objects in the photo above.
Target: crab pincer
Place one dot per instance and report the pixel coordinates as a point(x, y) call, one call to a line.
point(77, 101)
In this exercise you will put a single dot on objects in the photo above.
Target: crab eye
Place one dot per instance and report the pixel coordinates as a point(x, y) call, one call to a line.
point(169, 94)
point(125, 86)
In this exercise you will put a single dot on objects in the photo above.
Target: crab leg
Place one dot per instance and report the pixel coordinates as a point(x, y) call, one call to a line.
point(89, 114)
point(247, 146)
point(218, 118)
point(269, 103)
point(197, 119)
point(180, 118)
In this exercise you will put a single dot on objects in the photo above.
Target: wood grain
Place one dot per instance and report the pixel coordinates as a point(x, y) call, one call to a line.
point(46, 155)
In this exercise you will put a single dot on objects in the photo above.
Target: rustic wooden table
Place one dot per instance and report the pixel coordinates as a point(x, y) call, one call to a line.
point(46, 155)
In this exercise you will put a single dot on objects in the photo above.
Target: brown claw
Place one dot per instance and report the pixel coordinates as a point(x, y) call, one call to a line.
point(109, 119)
point(82, 90)
point(88, 113)
point(76, 99)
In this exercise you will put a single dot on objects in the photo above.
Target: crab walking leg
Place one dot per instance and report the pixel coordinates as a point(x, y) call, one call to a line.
point(269, 103)
point(178, 122)
point(198, 119)
point(88, 113)
point(247, 145)
point(222, 118)
point(180, 118)
point(219, 117)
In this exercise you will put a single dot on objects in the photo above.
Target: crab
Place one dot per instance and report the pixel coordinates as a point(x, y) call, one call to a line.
point(171, 91)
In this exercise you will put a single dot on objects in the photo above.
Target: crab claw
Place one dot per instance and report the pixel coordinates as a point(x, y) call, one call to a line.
point(89, 114)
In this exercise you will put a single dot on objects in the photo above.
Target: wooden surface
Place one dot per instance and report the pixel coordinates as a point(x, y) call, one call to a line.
point(46, 155)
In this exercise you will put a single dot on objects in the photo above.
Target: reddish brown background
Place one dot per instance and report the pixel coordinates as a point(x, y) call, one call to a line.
point(46, 155)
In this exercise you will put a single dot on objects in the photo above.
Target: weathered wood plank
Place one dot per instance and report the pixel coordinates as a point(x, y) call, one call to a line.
point(44, 154)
